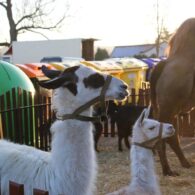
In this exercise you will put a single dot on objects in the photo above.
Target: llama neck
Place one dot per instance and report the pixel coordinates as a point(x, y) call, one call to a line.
point(142, 166)
point(72, 143)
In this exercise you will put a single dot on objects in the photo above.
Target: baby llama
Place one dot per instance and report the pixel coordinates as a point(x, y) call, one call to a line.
point(146, 134)
point(70, 167)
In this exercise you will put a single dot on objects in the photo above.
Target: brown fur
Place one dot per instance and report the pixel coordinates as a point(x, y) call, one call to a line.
point(173, 86)
point(156, 72)
point(183, 41)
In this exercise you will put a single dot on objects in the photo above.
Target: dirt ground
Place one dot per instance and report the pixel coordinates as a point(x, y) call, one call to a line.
point(114, 169)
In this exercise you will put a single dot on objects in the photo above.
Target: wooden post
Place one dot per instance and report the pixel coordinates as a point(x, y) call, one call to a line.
point(133, 96)
point(141, 97)
point(1, 129)
point(16, 189)
point(40, 192)
point(187, 130)
point(147, 96)
point(192, 121)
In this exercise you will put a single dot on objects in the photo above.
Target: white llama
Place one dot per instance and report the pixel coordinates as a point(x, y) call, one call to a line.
point(146, 134)
point(70, 167)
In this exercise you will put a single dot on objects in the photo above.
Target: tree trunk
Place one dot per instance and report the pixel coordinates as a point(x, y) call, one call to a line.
point(13, 30)
point(157, 46)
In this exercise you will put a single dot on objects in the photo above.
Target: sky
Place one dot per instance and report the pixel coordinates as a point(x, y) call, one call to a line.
point(112, 22)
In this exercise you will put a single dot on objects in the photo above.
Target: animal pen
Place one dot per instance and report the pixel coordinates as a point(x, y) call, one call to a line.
point(26, 119)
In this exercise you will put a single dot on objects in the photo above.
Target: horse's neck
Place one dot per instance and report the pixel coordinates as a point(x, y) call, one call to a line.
point(142, 165)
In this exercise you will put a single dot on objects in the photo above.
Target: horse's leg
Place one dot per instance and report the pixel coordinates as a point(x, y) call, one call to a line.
point(164, 161)
point(175, 145)
point(127, 142)
point(165, 117)
point(120, 143)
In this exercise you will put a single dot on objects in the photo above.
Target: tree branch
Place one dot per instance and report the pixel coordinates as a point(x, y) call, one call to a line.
point(3, 5)
point(24, 17)
point(39, 33)
point(30, 27)
point(5, 44)
point(28, 16)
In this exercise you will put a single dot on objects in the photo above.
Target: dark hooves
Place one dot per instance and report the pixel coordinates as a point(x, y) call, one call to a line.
point(97, 150)
point(171, 173)
point(186, 165)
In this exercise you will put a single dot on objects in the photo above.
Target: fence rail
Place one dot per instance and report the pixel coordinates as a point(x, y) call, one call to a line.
point(26, 119)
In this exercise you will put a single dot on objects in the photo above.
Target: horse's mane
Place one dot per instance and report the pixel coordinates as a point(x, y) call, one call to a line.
point(183, 41)
point(156, 72)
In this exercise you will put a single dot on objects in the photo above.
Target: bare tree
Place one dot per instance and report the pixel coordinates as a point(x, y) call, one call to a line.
point(30, 16)
point(159, 25)
point(165, 35)
point(162, 32)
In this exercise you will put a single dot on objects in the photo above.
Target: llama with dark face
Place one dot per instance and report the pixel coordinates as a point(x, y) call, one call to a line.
point(70, 167)
point(124, 116)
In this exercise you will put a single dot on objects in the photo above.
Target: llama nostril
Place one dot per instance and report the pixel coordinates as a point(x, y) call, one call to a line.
point(170, 127)
point(124, 86)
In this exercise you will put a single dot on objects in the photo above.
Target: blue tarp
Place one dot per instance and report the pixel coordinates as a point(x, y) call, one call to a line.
point(151, 62)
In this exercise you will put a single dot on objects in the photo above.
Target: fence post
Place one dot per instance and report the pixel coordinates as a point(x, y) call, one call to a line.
point(16, 189)
point(133, 96)
point(147, 96)
point(187, 127)
point(141, 98)
point(192, 121)
point(1, 129)
point(40, 192)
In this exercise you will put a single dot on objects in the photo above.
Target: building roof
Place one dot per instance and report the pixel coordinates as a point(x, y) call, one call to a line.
point(127, 51)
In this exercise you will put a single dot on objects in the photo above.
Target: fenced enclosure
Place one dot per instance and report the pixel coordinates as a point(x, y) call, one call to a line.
point(26, 119)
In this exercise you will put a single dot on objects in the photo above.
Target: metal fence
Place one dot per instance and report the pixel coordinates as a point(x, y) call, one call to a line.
point(26, 119)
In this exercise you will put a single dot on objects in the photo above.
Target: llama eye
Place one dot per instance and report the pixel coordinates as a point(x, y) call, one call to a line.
point(94, 81)
point(152, 128)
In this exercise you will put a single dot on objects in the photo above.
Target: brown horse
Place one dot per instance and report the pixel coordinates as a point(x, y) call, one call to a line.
point(173, 87)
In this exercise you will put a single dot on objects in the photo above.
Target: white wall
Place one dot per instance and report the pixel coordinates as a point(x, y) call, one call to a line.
point(34, 51)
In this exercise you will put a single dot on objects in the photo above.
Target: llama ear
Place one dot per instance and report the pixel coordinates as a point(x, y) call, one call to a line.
point(147, 113)
point(58, 78)
point(55, 83)
point(141, 117)
point(50, 73)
